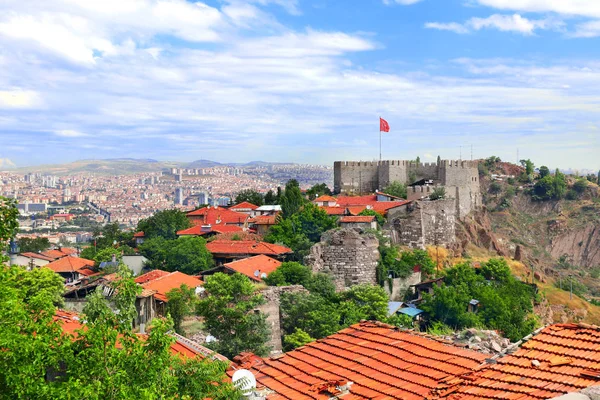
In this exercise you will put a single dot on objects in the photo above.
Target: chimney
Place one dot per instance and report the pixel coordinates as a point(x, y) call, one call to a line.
point(114, 258)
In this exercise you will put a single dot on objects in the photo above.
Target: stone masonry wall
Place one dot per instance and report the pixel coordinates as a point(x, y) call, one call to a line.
point(350, 256)
point(272, 296)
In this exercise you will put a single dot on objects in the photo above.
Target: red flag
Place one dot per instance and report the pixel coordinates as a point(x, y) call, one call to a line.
point(383, 125)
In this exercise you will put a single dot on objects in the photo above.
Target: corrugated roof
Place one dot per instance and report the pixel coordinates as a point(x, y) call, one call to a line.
point(69, 264)
point(248, 266)
point(569, 360)
point(382, 361)
point(246, 247)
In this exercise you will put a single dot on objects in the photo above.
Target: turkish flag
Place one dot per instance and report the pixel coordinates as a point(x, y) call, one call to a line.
point(383, 125)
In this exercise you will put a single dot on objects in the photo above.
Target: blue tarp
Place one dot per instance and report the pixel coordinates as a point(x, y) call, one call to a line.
point(412, 312)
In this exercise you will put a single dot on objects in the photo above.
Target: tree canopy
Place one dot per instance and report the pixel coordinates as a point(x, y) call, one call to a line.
point(35, 245)
point(396, 189)
point(228, 311)
point(318, 190)
point(186, 254)
point(251, 196)
point(164, 224)
point(291, 199)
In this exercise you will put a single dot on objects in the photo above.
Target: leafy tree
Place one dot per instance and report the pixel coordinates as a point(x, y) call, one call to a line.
point(495, 188)
point(251, 196)
point(417, 257)
point(496, 269)
point(580, 185)
point(438, 193)
point(529, 166)
point(401, 321)
point(550, 187)
point(560, 184)
point(35, 245)
point(38, 281)
point(228, 311)
point(301, 230)
point(378, 217)
point(544, 171)
point(270, 198)
point(312, 313)
point(164, 224)
point(396, 189)
point(318, 190)
point(291, 200)
point(296, 339)
point(180, 304)
point(289, 273)
point(186, 254)
point(8, 220)
point(371, 301)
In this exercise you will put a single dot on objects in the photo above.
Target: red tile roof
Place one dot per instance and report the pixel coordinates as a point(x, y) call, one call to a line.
point(334, 210)
point(139, 234)
point(210, 215)
point(569, 357)
point(383, 206)
point(87, 272)
point(58, 253)
point(245, 205)
point(248, 266)
point(246, 247)
point(69, 264)
point(150, 276)
point(324, 198)
point(355, 219)
point(383, 362)
point(263, 220)
point(40, 256)
point(196, 230)
point(69, 321)
point(166, 283)
point(356, 200)
point(355, 210)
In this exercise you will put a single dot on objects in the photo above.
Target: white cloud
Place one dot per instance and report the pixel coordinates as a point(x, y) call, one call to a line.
point(587, 29)
point(450, 26)
point(69, 133)
point(505, 23)
point(19, 99)
point(589, 8)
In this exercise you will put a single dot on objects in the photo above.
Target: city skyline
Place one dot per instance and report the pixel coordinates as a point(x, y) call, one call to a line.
point(300, 81)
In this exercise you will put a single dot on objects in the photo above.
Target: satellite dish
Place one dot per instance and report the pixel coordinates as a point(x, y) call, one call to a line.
point(244, 380)
point(256, 273)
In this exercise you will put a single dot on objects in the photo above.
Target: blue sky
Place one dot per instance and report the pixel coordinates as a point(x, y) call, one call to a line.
point(300, 80)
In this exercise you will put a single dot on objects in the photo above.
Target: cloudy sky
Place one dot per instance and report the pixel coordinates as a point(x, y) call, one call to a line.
point(300, 80)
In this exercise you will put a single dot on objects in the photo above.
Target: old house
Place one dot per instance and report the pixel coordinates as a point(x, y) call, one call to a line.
point(225, 251)
point(161, 284)
point(215, 215)
point(261, 223)
point(360, 222)
point(256, 268)
point(244, 207)
point(70, 267)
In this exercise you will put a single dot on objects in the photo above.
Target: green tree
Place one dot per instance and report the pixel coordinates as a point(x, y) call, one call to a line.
point(580, 186)
point(401, 321)
point(291, 200)
point(438, 193)
point(35, 245)
point(164, 224)
point(371, 301)
point(560, 184)
point(496, 269)
point(378, 217)
point(318, 190)
point(186, 254)
point(251, 196)
point(8, 221)
point(396, 189)
point(544, 171)
point(529, 166)
point(229, 315)
point(270, 198)
point(181, 302)
point(495, 188)
point(289, 273)
point(296, 339)
point(38, 281)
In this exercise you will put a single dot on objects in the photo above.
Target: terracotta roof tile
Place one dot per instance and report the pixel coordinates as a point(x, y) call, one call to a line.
point(355, 219)
point(69, 264)
point(150, 276)
point(381, 361)
point(39, 256)
point(248, 266)
point(139, 234)
point(173, 280)
point(246, 247)
point(245, 205)
point(565, 353)
point(263, 220)
point(216, 216)
point(197, 230)
point(334, 210)
point(325, 198)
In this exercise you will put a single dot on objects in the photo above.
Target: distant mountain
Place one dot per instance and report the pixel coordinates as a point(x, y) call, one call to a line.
point(203, 164)
point(6, 163)
point(115, 166)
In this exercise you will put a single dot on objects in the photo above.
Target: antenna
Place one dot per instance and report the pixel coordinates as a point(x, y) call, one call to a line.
point(460, 154)
point(245, 381)
point(471, 152)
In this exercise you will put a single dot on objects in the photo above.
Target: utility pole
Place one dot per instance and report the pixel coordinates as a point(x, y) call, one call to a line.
point(471, 152)
point(571, 292)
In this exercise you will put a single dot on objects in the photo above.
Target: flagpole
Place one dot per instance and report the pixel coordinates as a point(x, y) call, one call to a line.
point(379, 138)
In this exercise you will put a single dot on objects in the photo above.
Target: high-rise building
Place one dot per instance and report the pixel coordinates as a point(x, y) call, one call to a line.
point(179, 196)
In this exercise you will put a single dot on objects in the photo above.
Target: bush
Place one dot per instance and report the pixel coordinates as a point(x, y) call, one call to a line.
point(438, 193)
point(580, 185)
point(571, 195)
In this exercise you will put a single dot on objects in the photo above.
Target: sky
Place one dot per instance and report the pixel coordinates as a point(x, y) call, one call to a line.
point(300, 80)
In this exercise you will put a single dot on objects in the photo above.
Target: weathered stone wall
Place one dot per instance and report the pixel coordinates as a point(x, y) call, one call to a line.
point(401, 285)
point(355, 176)
point(350, 257)
point(424, 223)
point(272, 296)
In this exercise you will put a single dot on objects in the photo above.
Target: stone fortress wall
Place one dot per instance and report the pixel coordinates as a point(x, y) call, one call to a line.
point(459, 178)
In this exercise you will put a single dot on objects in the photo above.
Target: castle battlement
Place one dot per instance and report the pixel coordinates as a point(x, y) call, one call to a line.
point(459, 163)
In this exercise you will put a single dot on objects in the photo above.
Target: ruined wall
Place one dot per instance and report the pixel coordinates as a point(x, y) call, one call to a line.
point(349, 256)
point(272, 296)
point(424, 223)
point(462, 181)
point(400, 286)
